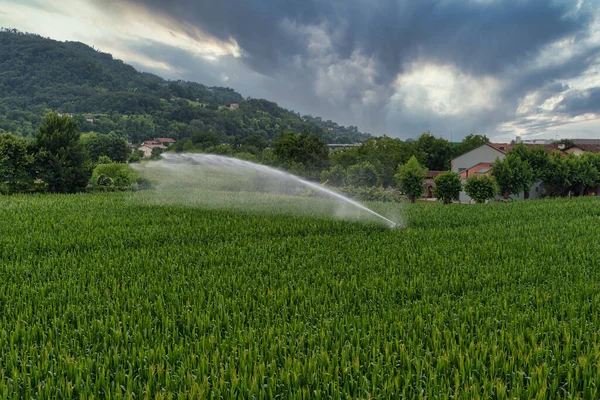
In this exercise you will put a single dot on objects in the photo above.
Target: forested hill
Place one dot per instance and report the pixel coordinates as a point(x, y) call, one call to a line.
point(37, 74)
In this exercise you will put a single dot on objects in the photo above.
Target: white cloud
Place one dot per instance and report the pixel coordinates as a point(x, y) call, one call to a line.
point(444, 90)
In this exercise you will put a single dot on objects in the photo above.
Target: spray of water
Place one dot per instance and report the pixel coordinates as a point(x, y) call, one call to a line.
point(225, 165)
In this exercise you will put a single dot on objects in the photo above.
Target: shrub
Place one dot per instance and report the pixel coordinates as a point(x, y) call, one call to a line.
point(447, 187)
point(363, 175)
point(410, 178)
point(336, 176)
point(122, 175)
point(104, 181)
point(481, 188)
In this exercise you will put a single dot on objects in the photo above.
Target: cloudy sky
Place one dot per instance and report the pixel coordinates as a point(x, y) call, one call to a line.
point(397, 67)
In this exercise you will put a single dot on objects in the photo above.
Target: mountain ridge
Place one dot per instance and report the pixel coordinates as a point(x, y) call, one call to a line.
point(71, 77)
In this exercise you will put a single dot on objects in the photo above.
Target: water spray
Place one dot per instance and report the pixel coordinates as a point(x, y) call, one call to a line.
point(213, 160)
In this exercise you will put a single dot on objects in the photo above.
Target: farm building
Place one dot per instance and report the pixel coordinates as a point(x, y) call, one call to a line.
point(479, 162)
point(148, 146)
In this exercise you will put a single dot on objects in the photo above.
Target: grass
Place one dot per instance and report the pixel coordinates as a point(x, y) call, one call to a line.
point(105, 295)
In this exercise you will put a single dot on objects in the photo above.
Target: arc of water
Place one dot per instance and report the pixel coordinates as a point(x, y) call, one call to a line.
point(216, 160)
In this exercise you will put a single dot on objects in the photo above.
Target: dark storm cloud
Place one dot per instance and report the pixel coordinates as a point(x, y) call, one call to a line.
point(481, 37)
point(581, 102)
point(277, 39)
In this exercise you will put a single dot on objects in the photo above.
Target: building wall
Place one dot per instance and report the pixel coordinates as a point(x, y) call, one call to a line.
point(482, 154)
point(147, 151)
point(487, 154)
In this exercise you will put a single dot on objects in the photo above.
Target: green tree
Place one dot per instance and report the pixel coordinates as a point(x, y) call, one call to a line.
point(447, 187)
point(469, 143)
point(513, 175)
point(433, 153)
point(110, 145)
point(121, 175)
point(335, 176)
point(363, 175)
point(481, 188)
point(309, 150)
point(60, 158)
point(537, 157)
point(410, 178)
point(15, 164)
point(156, 153)
point(557, 177)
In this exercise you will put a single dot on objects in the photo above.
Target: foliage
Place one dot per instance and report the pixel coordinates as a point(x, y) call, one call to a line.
point(385, 153)
point(306, 149)
point(105, 297)
point(363, 175)
point(15, 164)
point(121, 175)
point(104, 181)
point(60, 158)
point(135, 156)
point(513, 175)
point(536, 156)
point(156, 152)
point(571, 173)
point(247, 157)
point(410, 178)
point(335, 176)
point(481, 188)
point(69, 77)
point(110, 145)
point(221, 149)
point(447, 187)
point(433, 153)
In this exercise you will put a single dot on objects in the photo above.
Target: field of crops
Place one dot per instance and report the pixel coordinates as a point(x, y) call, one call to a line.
point(105, 297)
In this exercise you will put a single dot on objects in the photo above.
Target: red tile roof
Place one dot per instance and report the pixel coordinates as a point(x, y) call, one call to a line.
point(165, 140)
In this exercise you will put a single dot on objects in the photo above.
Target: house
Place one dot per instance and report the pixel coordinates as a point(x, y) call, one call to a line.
point(580, 149)
point(165, 141)
point(479, 162)
point(429, 183)
point(147, 149)
point(89, 118)
point(149, 145)
point(233, 106)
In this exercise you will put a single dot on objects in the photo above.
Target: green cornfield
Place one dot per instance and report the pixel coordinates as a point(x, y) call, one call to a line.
point(105, 297)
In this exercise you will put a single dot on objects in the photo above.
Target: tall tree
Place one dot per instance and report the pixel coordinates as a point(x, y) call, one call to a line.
point(481, 189)
point(410, 178)
point(434, 153)
point(60, 158)
point(112, 146)
point(447, 187)
point(513, 175)
point(15, 163)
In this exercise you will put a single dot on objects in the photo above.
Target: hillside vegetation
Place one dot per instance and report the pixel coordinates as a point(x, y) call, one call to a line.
point(71, 77)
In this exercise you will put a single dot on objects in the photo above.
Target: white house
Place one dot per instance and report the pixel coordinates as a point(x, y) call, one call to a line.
point(479, 161)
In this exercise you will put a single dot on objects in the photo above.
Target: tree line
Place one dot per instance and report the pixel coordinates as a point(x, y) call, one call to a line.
point(522, 167)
